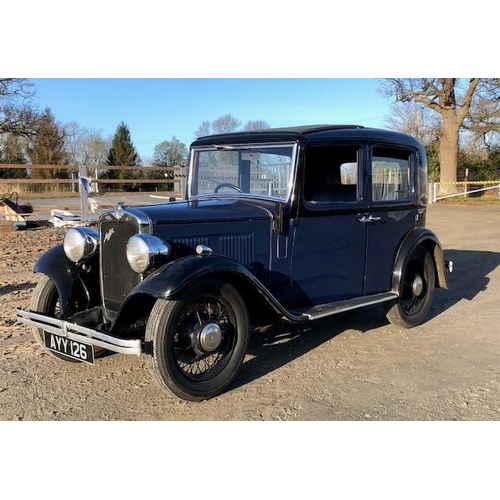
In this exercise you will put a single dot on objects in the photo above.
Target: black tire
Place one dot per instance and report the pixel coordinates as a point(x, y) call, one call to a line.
point(198, 343)
point(45, 300)
point(416, 293)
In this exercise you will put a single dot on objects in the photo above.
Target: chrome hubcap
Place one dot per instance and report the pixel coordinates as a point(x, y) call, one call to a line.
point(417, 286)
point(210, 337)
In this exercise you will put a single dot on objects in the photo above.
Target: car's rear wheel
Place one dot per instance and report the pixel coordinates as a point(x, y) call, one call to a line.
point(416, 292)
point(199, 342)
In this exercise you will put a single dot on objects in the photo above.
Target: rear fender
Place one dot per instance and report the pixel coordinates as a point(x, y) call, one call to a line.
point(428, 239)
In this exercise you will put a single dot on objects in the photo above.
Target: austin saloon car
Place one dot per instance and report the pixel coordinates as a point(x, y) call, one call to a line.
point(277, 226)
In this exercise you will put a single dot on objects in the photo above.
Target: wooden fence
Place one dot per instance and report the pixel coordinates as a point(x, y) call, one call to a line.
point(441, 190)
point(173, 181)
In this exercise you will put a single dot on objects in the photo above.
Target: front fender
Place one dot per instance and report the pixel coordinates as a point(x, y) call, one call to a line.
point(78, 289)
point(416, 237)
point(174, 279)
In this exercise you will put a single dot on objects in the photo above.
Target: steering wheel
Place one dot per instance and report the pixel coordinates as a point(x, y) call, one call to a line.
point(228, 185)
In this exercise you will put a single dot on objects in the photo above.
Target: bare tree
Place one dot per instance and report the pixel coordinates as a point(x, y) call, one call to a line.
point(414, 119)
point(18, 113)
point(256, 125)
point(204, 129)
point(227, 124)
point(452, 99)
point(170, 153)
point(483, 121)
point(12, 151)
point(86, 146)
point(222, 125)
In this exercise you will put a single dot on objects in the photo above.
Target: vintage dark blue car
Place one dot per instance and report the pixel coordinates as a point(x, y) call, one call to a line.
point(278, 225)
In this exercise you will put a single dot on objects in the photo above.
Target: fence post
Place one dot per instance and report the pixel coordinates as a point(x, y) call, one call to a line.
point(84, 192)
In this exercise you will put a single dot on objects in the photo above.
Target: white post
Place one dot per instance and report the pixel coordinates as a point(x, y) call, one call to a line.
point(84, 194)
point(96, 182)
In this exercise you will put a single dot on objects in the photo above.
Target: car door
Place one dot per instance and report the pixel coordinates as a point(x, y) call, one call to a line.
point(329, 241)
point(392, 211)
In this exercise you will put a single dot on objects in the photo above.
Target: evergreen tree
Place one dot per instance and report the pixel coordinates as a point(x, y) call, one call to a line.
point(122, 153)
point(432, 150)
point(48, 148)
point(494, 161)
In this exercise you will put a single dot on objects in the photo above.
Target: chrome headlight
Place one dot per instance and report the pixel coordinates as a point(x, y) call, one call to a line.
point(145, 251)
point(80, 243)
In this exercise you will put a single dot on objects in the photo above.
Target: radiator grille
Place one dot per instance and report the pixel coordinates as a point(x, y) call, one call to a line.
point(117, 277)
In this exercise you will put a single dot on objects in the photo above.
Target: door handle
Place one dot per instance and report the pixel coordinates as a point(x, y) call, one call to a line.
point(370, 218)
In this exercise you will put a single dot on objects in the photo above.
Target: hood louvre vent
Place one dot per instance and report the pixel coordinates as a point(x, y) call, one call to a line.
point(238, 247)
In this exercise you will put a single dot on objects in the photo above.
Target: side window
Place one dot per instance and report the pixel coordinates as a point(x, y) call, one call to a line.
point(331, 174)
point(391, 174)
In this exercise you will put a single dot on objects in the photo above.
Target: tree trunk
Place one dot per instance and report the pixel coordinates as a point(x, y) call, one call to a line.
point(448, 148)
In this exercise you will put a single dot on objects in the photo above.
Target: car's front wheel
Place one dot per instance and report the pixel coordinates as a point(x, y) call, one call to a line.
point(199, 342)
point(45, 300)
point(416, 292)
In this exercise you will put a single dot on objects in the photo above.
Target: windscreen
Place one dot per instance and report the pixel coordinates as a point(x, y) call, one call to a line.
point(249, 170)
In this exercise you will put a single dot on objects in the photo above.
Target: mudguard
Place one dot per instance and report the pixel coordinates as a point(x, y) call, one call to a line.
point(416, 237)
point(78, 289)
point(174, 279)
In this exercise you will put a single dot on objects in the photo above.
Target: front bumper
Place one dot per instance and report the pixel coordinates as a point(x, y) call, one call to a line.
point(79, 333)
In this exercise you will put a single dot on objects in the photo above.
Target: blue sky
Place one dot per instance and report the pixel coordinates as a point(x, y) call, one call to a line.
point(156, 109)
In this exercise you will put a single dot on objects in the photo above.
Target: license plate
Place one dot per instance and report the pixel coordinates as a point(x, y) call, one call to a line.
point(70, 348)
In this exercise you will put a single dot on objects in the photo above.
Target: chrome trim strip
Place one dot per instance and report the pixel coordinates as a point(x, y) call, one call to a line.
point(143, 221)
point(79, 333)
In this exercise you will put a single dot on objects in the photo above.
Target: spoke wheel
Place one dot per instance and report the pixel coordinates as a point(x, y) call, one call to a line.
point(417, 291)
point(199, 342)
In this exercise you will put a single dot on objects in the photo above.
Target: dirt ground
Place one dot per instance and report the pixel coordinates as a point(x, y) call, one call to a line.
point(355, 366)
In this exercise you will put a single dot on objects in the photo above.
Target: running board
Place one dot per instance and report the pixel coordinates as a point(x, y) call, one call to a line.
point(324, 310)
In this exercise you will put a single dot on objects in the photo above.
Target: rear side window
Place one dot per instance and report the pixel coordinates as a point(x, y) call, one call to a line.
point(331, 174)
point(391, 174)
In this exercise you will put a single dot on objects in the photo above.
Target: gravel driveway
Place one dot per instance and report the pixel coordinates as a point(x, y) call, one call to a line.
point(355, 366)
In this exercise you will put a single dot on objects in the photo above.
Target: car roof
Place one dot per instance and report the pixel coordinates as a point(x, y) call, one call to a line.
point(297, 130)
point(308, 133)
